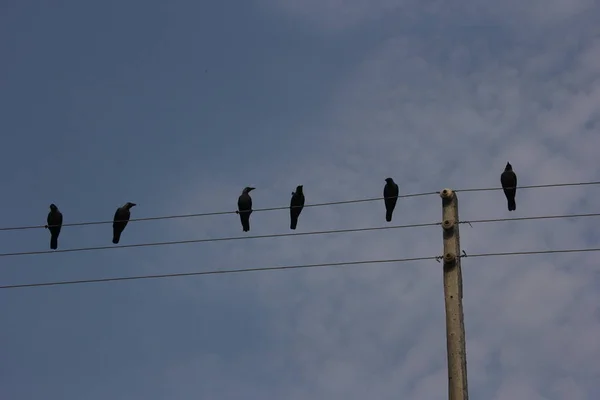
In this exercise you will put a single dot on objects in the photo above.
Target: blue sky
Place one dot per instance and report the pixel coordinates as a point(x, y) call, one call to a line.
point(178, 105)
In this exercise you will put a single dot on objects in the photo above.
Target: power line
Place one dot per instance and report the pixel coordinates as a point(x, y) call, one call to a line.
point(219, 212)
point(477, 221)
point(215, 272)
point(379, 228)
point(291, 234)
point(526, 253)
point(14, 228)
point(530, 186)
point(287, 267)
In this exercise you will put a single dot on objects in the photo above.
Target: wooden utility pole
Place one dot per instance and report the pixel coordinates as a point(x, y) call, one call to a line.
point(455, 326)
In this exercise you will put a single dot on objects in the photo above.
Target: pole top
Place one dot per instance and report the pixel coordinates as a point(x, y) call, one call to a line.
point(446, 193)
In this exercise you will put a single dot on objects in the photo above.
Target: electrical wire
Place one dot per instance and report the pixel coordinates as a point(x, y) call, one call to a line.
point(286, 267)
point(379, 228)
point(218, 212)
point(291, 234)
point(530, 186)
point(215, 272)
point(526, 253)
point(478, 221)
point(14, 228)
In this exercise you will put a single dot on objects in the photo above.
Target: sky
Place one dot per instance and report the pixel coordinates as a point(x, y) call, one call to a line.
point(177, 106)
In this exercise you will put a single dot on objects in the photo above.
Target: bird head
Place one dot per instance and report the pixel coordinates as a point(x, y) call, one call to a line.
point(389, 180)
point(248, 189)
point(508, 167)
point(299, 189)
point(128, 205)
point(53, 207)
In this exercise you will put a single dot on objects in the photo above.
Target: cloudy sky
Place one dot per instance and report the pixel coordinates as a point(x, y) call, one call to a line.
point(179, 105)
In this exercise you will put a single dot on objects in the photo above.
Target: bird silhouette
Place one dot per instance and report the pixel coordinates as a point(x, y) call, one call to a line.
point(390, 194)
point(508, 179)
point(296, 205)
point(54, 220)
point(120, 220)
point(245, 208)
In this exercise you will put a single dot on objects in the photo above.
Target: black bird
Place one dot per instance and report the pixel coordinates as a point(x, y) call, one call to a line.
point(296, 206)
point(54, 220)
point(120, 221)
point(245, 208)
point(509, 185)
point(390, 194)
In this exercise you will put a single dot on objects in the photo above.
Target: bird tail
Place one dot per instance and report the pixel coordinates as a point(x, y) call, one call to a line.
point(512, 204)
point(293, 222)
point(116, 237)
point(388, 215)
point(245, 219)
point(54, 242)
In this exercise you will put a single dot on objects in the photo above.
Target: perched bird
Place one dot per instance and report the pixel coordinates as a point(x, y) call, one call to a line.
point(390, 194)
point(509, 185)
point(54, 220)
point(245, 208)
point(296, 206)
point(120, 221)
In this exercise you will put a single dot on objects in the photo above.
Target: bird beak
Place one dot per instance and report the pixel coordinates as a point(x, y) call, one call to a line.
point(133, 204)
point(251, 188)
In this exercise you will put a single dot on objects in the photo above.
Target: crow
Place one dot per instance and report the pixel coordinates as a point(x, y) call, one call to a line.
point(54, 220)
point(509, 185)
point(120, 220)
point(245, 208)
point(296, 206)
point(390, 194)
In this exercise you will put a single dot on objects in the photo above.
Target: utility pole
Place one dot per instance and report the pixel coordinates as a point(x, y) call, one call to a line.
point(455, 325)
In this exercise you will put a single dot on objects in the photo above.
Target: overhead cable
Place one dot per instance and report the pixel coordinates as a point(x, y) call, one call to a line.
point(286, 267)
